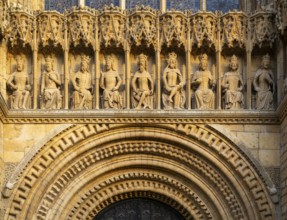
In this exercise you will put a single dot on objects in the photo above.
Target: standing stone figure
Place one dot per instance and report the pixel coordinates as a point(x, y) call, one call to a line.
point(52, 98)
point(19, 83)
point(110, 82)
point(142, 85)
point(82, 97)
point(264, 85)
point(203, 82)
point(173, 94)
point(232, 85)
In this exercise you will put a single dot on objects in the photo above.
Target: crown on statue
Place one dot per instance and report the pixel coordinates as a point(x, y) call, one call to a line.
point(142, 57)
point(266, 57)
point(19, 57)
point(172, 55)
point(233, 58)
point(85, 58)
point(48, 58)
point(203, 57)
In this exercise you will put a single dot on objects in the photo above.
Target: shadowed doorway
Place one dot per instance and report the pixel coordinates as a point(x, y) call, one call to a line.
point(139, 209)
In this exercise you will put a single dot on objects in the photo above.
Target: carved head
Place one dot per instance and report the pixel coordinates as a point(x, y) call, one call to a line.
point(142, 62)
point(85, 62)
point(109, 62)
point(265, 63)
point(49, 63)
point(233, 63)
point(20, 62)
point(172, 60)
point(203, 58)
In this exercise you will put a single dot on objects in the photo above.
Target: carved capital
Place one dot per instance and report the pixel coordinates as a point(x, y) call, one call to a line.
point(262, 29)
point(142, 26)
point(173, 29)
point(20, 27)
point(112, 26)
point(203, 31)
point(81, 27)
point(234, 29)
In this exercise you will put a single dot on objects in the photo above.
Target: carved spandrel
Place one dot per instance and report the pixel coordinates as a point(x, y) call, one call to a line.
point(203, 29)
point(112, 27)
point(20, 28)
point(81, 27)
point(173, 29)
point(142, 26)
point(234, 29)
point(51, 29)
point(263, 29)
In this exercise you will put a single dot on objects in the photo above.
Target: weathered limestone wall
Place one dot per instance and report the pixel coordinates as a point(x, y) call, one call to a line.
point(283, 170)
point(1, 168)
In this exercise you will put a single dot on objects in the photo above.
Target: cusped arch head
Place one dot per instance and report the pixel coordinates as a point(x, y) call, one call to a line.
point(195, 169)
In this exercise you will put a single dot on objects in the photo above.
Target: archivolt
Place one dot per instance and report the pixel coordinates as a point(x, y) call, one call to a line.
point(196, 170)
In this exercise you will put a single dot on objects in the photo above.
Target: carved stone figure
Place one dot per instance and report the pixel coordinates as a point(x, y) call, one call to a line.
point(232, 85)
point(110, 82)
point(173, 95)
point(203, 82)
point(19, 83)
point(264, 85)
point(52, 98)
point(142, 85)
point(82, 97)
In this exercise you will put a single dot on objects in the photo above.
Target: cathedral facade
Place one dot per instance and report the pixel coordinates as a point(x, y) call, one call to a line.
point(143, 110)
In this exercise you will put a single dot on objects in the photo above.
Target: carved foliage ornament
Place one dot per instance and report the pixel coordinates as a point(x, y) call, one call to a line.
point(203, 30)
point(3, 16)
point(173, 29)
point(112, 29)
point(142, 27)
point(51, 28)
point(81, 27)
point(281, 18)
point(263, 30)
point(20, 28)
point(234, 29)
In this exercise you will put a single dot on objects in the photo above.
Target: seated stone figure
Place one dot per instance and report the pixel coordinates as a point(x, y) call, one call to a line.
point(203, 81)
point(264, 85)
point(110, 82)
point(142, 85)
point(19, 83)
point(173, 94)
point(82, 83)
point(232, 85)
point(52, 98)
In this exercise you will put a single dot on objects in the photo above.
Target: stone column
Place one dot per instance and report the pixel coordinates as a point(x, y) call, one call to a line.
point(188, 66)
point(35, 65)
point(81, 3)
point(249, 76)
point(97, 67)
point(158, 69)
point(280, 69)
point(66, 72)
point(203, 5)
point(162, 5)
point(123, 4)
point(3, 70)
point(218, 67)
point(128, 77)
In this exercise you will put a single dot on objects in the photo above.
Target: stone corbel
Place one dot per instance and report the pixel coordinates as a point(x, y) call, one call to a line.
point(6, 193)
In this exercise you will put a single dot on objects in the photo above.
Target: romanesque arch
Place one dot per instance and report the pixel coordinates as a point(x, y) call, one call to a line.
point(195, 169)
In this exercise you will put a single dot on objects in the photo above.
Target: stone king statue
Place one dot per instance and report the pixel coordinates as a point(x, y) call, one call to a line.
point(82, 83)
point(110, 82)
point(52, 98)
point(232, 85)
point(142, 85)
point(173, 95)
point(19, 83)
point(264, 85)
point(203, 82)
